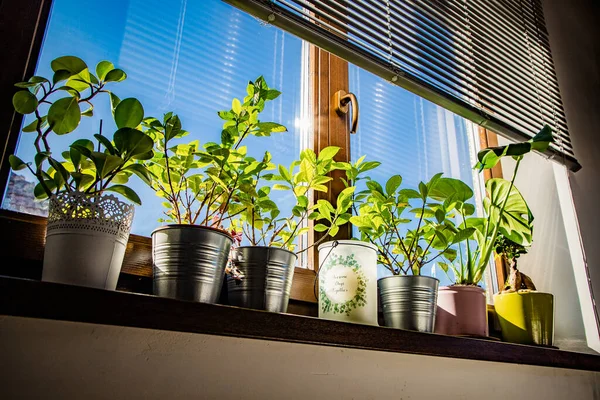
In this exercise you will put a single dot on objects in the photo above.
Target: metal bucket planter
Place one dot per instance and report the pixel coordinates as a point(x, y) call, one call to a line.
point(86, 239)
point(526, 318)
point(268, 274)
point(409, 302)
point(461, 310)
point(189, 262)
point(347, 276)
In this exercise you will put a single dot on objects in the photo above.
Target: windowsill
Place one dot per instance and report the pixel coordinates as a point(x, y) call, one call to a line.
point(35, 299)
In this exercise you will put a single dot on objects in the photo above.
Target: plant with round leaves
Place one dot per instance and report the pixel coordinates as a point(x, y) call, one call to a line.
point(200, 183)
point(88, 167)
point(260, 218)
point(507, 215)
point(412, 228)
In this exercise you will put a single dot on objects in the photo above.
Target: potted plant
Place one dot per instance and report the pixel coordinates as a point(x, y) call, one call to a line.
point(87, 228)
point(526, 316)
point(462, 307)
point(348, 268)
point(406, 244)
point(267, 264)
point(199, 184)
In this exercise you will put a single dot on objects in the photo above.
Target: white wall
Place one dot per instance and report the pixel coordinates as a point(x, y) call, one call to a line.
point(62, 360)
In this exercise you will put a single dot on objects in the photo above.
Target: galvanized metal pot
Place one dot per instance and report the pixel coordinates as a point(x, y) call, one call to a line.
point(86, 239)
point(409, 302)
point(268, 274)
point(189, 262)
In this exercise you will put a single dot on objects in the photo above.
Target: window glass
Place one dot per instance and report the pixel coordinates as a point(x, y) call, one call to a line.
point(190, 57)
point(411, 137)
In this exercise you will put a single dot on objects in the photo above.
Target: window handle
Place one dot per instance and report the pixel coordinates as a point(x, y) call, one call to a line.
point(341, 102)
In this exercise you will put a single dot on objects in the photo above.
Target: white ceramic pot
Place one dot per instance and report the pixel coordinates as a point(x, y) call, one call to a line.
point(86, 239)
point(348, 281)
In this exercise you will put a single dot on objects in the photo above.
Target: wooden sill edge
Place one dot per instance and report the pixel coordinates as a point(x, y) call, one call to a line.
point(23, 236)
point(35, 299)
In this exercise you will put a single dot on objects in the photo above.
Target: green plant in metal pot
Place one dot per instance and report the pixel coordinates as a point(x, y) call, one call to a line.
point(273, 237)
point(76, 179)
point(411, 228)
point(200, 184)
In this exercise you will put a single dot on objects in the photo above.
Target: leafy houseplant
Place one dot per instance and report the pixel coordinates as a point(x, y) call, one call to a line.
point(507, 225)
point(268, 264)
point(406, 243)
point(200, 185)
point(76, 185)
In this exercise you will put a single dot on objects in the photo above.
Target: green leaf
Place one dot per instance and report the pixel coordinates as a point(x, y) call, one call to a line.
point(24, 102)
point(114, 101)
point(236, 106)
point(462, 235)
point(328, 153)
point(106, 143)
point(32, 127)
point(542, 139)
point(423, 190)
point(320, 228)
point(116, 75)
point(375, 187)
point(129, 113)
point(278, 186)
point(61, 75)
point(68, 63)
point(270, 127)
point(449, 187)
point(172, 127)
point(103, 68)
point(16, 163)
point(64, 115)
point(303, 201)
point(515, 222)
point(440, 216)
point(393, 184)
point(132, 143)
point(128, 193)
point(105, 163)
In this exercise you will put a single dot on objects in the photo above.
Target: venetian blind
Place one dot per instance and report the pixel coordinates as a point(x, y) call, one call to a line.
point(488, 61)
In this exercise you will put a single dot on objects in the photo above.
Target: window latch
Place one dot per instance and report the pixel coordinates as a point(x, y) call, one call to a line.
point(341, 102)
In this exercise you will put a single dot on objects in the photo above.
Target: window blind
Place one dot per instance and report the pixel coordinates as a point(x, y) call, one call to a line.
point(488, 61)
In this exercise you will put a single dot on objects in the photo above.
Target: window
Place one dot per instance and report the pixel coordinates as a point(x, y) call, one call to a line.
point(183, 56)
point(193, 57)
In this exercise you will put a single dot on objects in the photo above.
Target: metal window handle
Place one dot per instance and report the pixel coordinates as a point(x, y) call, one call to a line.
point(341, 101)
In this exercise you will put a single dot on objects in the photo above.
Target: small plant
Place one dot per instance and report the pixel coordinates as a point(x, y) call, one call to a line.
point(199, 184)
point(87, 167)
point(260, 218)
point(508, 222)
point(509, 252)
point(406, 243)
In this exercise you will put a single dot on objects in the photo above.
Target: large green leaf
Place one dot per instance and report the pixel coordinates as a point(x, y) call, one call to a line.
point(24, 102)
point(129, 113)
point(516, 221)
point(64, 115)
point(132, 143)
point(68, 63)
point(103, 68)
point(450, 188)
point(16, 163)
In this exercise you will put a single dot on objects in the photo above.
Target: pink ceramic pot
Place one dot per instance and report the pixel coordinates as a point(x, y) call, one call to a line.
point(461, 310)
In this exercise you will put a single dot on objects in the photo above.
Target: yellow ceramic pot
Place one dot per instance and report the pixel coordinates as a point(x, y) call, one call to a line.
point(526, 318)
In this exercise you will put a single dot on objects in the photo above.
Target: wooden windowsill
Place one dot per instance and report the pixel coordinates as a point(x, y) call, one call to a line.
point(35, 299)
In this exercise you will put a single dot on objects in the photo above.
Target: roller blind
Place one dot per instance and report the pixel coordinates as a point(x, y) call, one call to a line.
point(488, 61)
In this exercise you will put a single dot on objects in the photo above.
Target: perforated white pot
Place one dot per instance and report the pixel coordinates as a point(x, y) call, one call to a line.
point(86, 239)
